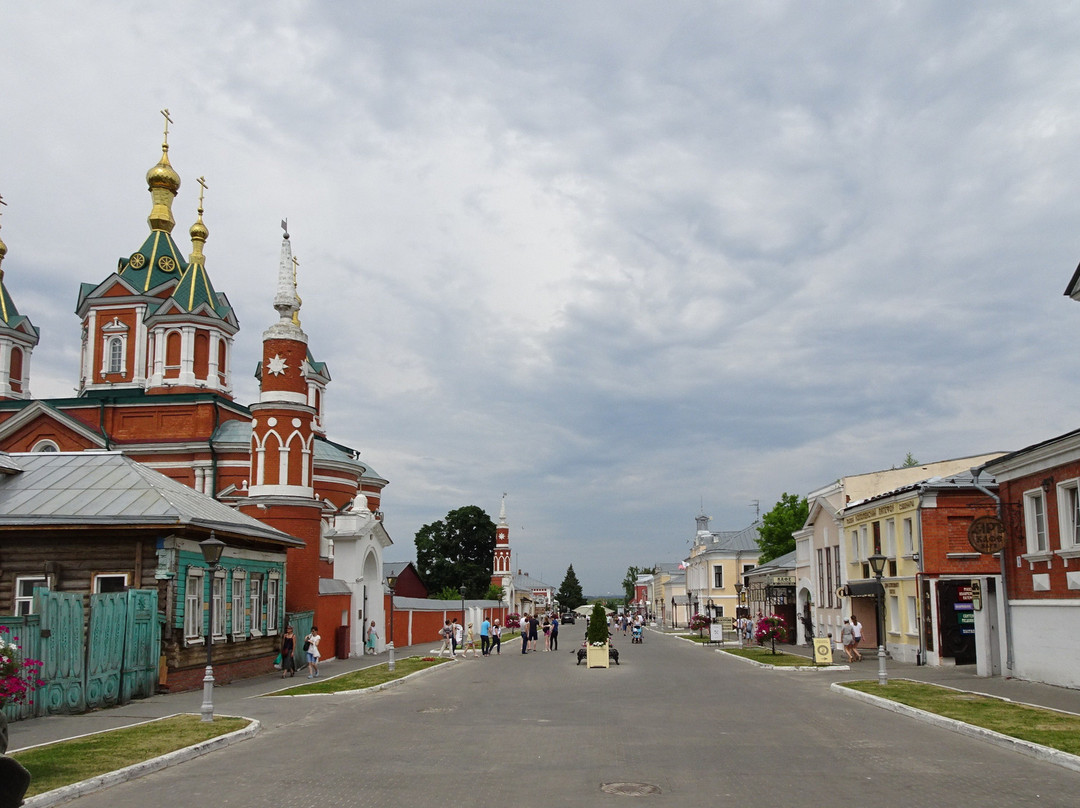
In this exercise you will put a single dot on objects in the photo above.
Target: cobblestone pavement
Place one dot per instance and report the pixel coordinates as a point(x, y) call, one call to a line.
point(690, 725)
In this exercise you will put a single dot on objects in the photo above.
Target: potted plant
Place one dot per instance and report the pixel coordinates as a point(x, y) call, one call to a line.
point(596, 652)
point(699, 622)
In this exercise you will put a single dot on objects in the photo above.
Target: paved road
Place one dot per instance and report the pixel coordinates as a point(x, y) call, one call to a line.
point(537, 730)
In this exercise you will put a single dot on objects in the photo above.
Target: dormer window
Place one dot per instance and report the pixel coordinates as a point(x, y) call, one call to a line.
point(114, 353)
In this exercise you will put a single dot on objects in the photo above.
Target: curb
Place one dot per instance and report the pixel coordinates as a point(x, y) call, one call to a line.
point(358, 691)
point(136, 770)
point(797, 668)
point(1029, 748)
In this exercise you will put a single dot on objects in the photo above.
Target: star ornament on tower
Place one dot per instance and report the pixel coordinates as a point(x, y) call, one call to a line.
point(277, 365)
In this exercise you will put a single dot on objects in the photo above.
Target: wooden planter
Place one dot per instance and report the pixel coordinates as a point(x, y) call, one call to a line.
point(597, 656)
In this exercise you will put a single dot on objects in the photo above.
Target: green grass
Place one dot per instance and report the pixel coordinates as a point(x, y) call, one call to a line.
point(780, 659)
point(367, 677)
point(67, 762)
point(1056, 730)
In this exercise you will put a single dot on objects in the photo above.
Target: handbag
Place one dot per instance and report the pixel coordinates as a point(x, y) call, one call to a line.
point(307, 645)
point(277, 662)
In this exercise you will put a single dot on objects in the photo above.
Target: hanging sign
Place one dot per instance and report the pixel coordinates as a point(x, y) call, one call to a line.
point(986, 535)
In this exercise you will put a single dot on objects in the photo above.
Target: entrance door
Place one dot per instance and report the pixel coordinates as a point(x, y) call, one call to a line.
point(957, 621)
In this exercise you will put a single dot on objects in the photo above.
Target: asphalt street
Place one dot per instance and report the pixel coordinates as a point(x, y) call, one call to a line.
point(679, 723)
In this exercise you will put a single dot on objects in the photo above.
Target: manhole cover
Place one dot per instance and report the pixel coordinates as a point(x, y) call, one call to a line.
point(630, 789)
point(436, 710)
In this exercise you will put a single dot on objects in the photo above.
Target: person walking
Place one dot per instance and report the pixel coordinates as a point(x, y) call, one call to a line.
point(555, 633)
point(485, 637)
point(856, 630)
point(847, 639)
point(459, 636)
point(547, 633)
point(534, 631)
point(311, 647)
point(470, 642)
point(288, 653)
point(496, 639)
point(447, 633)
point(525, 634)
point(372, 639)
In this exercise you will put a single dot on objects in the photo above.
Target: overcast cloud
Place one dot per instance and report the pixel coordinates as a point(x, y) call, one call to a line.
point(618, 259)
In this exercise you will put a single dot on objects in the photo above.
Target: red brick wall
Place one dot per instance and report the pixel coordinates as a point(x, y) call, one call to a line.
point(944, 531)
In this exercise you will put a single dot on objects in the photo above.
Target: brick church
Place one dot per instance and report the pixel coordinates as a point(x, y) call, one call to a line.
point(155, 383)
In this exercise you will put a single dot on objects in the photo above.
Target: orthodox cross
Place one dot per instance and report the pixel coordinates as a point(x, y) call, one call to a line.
point(168, 120)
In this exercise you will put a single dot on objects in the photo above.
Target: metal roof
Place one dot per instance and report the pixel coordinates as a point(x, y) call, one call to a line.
point(108, 488)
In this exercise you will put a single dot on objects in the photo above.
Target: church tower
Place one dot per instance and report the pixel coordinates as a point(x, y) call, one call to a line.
point(18, 336)
point(501, 574)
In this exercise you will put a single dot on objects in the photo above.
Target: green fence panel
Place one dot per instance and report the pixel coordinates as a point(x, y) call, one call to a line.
point(142, 645)
point(61, 652)
point(25, 632)
point(105, 649)
point(301, 623)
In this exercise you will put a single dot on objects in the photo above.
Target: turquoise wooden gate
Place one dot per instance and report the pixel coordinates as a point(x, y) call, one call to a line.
point(301, 623)
point(62, 652)
point(142, 645)
point(105, 648)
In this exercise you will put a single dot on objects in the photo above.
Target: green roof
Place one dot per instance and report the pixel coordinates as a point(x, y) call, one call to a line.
point(156, 262)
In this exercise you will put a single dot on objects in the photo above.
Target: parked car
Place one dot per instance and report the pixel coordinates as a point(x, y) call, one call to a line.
point(568, 619)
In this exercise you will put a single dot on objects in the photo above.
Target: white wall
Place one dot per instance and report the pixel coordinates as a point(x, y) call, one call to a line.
point(1046, 641)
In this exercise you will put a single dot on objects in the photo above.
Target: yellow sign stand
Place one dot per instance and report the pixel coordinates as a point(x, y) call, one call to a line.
point(822, 651)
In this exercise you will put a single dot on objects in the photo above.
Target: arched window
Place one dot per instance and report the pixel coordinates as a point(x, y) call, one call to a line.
point(116, 355)
point(45, 445)
point(15, 371)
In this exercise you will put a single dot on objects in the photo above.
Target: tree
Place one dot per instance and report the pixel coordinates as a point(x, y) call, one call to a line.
point(777, 526)
point(597, 632)
point(910, 461)
point(628, 582)
point(570, 595)
point(457, 551)
point(494, 592)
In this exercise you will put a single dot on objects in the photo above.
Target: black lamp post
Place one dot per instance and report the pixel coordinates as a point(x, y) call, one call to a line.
point(212, 549)
point(391, 582)
point(674, 617)
point(461, 589)
point(877, 564)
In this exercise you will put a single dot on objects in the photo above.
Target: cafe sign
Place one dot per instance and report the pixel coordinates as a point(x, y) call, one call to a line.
point(987, 535)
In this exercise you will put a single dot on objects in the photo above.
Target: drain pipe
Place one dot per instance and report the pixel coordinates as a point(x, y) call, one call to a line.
point(975, 472)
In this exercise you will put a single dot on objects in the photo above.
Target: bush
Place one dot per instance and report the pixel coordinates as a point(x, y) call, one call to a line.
point(597, 632)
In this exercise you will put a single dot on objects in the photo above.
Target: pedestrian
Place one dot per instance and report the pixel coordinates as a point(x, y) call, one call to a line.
point(622, 623)
point(555, 633)
point(459, 636)
point(311, 648)
point(372, 638)
point(496, 639)
point(446, 633)
point(847, 639)
point(856, 630)
point(547, 633)
point(288, 653)
point(534, 631)
point(470, 642)
point(525, 633)
point(485, 637)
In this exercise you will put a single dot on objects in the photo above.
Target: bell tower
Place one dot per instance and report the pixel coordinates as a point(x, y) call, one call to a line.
point(18, 336)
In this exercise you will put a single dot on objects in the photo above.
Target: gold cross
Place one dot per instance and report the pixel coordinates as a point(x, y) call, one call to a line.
point(168, 120)
point(2, 202)
point(202, 187)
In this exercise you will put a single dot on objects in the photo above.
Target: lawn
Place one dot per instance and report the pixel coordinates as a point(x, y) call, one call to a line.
point(767, 657)
point(67, 762)
point(1056, 730)
point(361, 679)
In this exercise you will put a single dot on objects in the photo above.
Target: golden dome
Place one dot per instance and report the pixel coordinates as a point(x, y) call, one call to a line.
point(163, 175)
point(198, 230)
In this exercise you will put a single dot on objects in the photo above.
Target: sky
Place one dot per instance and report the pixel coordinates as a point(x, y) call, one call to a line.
point(623, 261)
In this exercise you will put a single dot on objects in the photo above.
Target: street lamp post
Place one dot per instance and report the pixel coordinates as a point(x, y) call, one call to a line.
point(391, 582)
point(212, 549)
point(739, 587)
point(461, 590)
point(877, 564)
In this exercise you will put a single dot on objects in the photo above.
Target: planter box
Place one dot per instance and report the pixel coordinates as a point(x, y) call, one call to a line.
point(597, 656)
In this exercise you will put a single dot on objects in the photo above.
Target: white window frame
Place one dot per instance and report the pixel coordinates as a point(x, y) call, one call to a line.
point(890, 538)
point(239, 601)
point(1035, 523)
point(894, 614)
point(273, 597)
point(26, 602)
point(194, 602)
point(217, 592)
point(912, 615)
point(1069, 514)
point(908, 532)
point(255, 601)
point(45, 445)
point(98, 577)
point(855, 557)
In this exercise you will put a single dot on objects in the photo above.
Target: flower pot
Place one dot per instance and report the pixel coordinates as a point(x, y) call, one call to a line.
point(597, 656)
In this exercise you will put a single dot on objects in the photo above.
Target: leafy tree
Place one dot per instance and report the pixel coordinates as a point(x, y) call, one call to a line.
point(495, 592)
point(570, 594)
point(446, 593)
point(597, 632)
point(457, 551)
point(777, 526)
point(628, 582)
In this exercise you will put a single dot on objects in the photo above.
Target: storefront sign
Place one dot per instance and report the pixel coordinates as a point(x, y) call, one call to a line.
point(987, 535)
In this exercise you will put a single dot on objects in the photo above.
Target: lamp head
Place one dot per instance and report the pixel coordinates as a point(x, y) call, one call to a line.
point(391, 581)
point(877, 563)
point(212, 549)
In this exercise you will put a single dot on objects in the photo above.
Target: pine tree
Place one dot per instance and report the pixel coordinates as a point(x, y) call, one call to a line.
point(570, 595)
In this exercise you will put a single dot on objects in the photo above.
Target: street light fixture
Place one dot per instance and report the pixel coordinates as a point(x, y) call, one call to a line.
point(391, 582)
point(212, 549)
point(877, 564)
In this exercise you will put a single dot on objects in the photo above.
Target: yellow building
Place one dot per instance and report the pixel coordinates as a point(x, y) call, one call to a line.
point(717, 562)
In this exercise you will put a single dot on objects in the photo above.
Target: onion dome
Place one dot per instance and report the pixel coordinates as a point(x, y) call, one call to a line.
point(164, 183)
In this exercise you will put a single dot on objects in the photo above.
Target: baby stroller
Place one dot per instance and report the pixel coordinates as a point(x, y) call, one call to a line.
point(638, 634)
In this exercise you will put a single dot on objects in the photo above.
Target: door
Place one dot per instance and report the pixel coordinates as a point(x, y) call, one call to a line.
point(142, 645)
point(61, 651)
point(956, 621)
point(105, 648)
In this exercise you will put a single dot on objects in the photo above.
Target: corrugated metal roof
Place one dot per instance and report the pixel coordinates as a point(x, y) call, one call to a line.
point(109, 488)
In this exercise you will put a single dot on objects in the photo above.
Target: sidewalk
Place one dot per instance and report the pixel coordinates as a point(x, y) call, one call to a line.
point(235, 698)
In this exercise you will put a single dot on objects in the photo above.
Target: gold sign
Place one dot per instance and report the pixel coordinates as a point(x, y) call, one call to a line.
point(822, 650)
point(986, 535)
